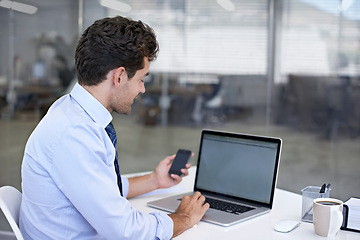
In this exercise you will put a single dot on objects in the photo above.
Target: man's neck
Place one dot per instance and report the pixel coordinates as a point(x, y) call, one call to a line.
point(100, 92)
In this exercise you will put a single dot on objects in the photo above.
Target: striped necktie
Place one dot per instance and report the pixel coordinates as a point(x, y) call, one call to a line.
point(112, 134)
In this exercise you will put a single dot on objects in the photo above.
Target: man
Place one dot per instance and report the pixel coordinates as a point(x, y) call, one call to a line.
point(71, 183)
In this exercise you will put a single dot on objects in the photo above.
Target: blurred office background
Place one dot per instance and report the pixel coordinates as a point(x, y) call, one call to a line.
point(284, 68)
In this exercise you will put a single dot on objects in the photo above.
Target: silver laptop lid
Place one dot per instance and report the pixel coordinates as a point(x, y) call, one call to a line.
point(239, 166)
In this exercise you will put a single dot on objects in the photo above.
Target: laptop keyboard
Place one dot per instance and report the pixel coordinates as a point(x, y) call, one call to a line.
point(227, 206)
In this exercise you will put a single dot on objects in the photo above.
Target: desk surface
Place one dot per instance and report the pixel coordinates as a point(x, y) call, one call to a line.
point(287, 205)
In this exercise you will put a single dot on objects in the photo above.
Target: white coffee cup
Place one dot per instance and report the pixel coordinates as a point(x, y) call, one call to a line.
point(327, 216)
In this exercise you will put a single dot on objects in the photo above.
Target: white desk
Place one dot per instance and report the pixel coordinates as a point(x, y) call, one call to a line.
point(287, 205)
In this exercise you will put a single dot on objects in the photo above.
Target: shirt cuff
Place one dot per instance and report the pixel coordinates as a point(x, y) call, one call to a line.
point(165, 225)
point(125, 186)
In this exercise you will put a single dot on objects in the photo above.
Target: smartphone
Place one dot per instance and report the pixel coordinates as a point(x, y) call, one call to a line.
point(181, 158)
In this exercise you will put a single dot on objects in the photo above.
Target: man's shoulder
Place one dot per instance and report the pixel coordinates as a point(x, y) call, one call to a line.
point(63, 125)
point(62, 117)
point(66, 111)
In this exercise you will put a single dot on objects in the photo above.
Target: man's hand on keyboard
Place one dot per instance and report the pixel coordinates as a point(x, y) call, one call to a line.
point(189, 212)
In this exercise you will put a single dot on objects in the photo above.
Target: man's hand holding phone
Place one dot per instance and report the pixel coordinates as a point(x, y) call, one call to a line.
point(159, 178)
point(165, 179)
point(180, 161)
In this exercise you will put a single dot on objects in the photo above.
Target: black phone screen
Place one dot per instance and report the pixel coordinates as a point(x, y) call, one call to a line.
point(181, 158)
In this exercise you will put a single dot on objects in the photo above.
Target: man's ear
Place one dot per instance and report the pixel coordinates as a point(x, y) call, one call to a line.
point(119, 75)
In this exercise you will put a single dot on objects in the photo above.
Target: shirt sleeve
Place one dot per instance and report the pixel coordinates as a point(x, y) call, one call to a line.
point(83, 169)
point(125, 186)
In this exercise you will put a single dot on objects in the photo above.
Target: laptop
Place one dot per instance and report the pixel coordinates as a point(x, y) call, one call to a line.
point(236, 170)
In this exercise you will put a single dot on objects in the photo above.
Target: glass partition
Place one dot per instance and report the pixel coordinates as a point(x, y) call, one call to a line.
point(319, 94)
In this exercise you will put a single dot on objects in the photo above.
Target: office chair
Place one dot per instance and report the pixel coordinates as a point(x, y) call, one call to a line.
point(10, 201)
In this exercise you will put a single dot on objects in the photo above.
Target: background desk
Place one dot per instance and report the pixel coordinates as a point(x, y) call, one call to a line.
point(287, 205)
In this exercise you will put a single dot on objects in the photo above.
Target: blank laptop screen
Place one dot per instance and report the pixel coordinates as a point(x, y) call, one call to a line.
point(239, 167)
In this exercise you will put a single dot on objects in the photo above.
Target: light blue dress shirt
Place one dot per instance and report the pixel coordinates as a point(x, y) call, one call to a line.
point(69, 182)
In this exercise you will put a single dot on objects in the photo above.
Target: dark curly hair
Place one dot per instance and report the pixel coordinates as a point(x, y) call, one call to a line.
point(110, 43)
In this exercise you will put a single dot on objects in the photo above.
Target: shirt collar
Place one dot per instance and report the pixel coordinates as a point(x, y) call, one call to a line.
point(91, 105)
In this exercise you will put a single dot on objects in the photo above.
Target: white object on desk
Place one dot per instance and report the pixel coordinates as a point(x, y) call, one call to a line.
point(286, 226)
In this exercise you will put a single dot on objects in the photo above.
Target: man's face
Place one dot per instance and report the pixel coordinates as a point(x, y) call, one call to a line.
point(129, 90)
